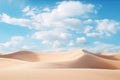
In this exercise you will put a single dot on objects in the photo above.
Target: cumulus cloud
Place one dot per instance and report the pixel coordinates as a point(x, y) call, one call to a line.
point(104, 47)
point(102, 28)
point(107, 27)
point(11, 45)
point(72, 9)
point(81, 40)
point(78, 42)
point(63, 25)
point(65, 15)
point(14, 41)
point(52, 37)
point(14, 21)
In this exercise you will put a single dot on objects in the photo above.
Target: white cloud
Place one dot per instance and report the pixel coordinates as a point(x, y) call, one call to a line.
point(14, 21)
point(46, 9)
point(78, 42)
point(72, 9)
point(71, 43)
point(26, 9)
point(104, 47)
point(26, 47)
point(64, 15)
point(11, 45)
point(58, 38)
point(14, 41)
point(88, 29)
point(107, 27)
point(62, 25)
point(57, 44)
point(67, 15)
point(102, 28)
point(94, 34)
point(29, 11)
point(81, 40)
point(52, 37)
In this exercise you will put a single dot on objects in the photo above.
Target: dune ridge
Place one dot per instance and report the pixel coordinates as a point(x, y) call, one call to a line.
point(73, 65)
point(71, 59)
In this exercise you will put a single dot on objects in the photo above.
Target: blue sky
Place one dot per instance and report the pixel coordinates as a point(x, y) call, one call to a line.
point(55, 25)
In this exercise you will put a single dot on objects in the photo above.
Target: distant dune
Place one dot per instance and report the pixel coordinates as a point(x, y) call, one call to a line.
point(70, 59)
point(76, 62)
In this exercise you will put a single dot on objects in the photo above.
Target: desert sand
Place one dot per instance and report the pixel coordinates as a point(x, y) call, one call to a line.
point(69, 65)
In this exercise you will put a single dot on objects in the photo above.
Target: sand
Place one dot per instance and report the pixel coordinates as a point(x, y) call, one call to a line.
point(70, 65)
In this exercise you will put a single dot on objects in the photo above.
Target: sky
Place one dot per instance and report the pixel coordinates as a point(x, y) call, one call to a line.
point(58, 25)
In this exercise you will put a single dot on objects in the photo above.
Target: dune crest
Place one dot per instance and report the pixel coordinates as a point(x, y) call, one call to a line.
point(75, 64)
point(22, 55)
point(69, 59)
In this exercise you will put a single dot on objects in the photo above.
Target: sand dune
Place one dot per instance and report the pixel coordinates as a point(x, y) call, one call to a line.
point(113, 56)
point(70, 59)
point(22, 55)
point(78, 63)
point(7, 63)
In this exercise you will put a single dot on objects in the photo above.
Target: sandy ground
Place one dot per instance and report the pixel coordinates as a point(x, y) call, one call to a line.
point(60, 74)
point(70, 65)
